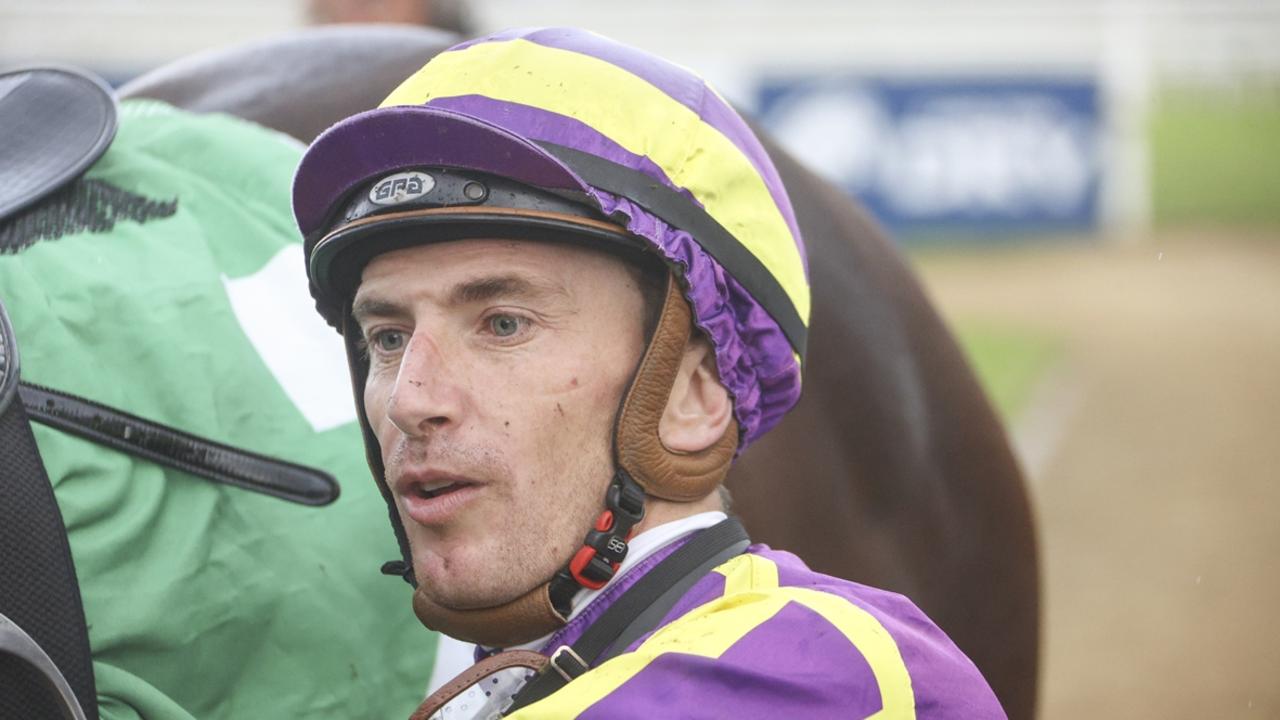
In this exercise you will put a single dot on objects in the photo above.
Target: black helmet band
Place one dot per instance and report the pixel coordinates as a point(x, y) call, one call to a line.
point(428, 205)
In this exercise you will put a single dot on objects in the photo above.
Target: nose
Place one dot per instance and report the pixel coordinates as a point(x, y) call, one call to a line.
point(426, 395)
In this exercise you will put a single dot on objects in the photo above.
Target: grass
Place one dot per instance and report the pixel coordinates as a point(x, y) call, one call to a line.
point(1009, 361)
point(1216, 156)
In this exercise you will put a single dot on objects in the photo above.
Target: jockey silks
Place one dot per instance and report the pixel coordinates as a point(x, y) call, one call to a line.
point(762, 635)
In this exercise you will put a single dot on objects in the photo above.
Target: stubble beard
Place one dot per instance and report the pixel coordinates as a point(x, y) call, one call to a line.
point(521, 547)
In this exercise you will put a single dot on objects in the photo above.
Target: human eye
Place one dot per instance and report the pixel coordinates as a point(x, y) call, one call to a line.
point(384, 343)
point(506, 326)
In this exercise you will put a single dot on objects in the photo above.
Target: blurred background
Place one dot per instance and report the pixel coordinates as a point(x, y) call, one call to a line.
point(1091, 193)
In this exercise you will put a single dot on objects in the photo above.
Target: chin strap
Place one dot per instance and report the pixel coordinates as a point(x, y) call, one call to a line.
point(605, 546)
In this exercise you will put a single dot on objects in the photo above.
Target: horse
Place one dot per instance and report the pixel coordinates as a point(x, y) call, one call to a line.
point(893, 470)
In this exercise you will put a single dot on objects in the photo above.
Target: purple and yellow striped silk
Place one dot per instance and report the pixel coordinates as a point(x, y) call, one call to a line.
point(764, 636)
point(578, 90)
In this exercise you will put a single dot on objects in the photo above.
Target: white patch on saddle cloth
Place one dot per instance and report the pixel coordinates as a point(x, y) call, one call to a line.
point(303, 353)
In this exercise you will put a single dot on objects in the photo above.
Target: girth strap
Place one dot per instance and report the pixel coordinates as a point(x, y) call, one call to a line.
point(39, 591)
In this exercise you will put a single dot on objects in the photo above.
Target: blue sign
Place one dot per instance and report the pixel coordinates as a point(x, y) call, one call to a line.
point(955, 154)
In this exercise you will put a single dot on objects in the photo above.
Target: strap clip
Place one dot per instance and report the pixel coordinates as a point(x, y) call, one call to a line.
point(605, 546)
point(399, 568)
point(568, 663)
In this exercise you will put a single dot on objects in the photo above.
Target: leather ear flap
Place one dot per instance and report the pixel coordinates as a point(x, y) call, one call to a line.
point(662, 472)
point(519, 621)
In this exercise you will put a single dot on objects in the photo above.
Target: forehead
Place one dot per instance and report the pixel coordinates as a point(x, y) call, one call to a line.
point(549, 266)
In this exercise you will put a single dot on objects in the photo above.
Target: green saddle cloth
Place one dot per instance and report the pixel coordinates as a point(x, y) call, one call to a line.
point(168, 282)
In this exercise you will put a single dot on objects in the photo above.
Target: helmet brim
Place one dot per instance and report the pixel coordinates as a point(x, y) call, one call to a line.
point(381, 141)
point(337, 261)
point(357, 151)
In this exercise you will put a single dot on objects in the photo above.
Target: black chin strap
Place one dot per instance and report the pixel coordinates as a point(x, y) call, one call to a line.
point(605, 546)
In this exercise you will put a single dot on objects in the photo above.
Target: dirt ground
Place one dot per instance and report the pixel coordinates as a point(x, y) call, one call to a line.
point(1154, 459)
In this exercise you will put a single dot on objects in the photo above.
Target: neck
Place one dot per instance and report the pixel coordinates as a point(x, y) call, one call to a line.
point(643, 545)
point(659, 512)
point(523, 620)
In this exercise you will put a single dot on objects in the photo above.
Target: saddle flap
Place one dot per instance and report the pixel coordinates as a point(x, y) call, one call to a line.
point(56, 123)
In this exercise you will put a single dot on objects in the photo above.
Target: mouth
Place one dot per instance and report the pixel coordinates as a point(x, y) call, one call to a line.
point(434, 490)
point(434, 498)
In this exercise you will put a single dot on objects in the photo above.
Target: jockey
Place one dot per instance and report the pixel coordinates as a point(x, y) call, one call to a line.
point(572, 291)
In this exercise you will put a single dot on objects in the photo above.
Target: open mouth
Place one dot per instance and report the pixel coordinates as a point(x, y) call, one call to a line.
point(436, 500)
point(434, 491)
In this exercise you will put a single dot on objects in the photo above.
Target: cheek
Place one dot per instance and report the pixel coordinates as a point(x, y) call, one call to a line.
point(575, 390)
point(554, 413)
point(580, 407)
point(549, 402)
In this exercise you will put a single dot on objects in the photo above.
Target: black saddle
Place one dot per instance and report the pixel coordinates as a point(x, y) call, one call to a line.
point(56, 123)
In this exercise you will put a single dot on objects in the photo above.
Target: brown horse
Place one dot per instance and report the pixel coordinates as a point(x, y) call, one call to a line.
point(893, 470)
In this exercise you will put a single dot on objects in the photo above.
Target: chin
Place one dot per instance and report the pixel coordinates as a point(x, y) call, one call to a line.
point(470, 594)
point(445, 582)
point(474, 579)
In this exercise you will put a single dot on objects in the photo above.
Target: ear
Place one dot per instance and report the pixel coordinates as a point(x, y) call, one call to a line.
point(699, 408)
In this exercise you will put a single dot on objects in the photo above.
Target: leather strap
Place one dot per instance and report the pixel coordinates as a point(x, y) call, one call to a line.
point(535, 662)
point(164, 445)
point(544, 609)
point(526, 618)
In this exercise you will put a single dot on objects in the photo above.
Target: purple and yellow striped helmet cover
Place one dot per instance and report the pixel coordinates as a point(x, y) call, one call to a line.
point(648, 142)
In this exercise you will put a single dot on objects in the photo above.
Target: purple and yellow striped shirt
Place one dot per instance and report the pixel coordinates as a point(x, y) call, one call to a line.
point(764, 636)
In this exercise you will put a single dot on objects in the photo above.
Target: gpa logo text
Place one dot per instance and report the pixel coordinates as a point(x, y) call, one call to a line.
point(400, 188)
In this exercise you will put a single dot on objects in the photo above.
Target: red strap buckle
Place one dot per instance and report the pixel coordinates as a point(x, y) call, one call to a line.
point(605, 546)
point(604, 523)
point(584, 558)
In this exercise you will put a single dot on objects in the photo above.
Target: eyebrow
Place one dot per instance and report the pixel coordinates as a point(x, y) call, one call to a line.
point(488, 288)
point(365, 308)
point(472, 291)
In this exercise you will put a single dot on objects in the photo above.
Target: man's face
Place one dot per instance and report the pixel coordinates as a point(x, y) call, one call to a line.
point(495, 371)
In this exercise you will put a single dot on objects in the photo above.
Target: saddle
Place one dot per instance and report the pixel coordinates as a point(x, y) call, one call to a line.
point(56, 124)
